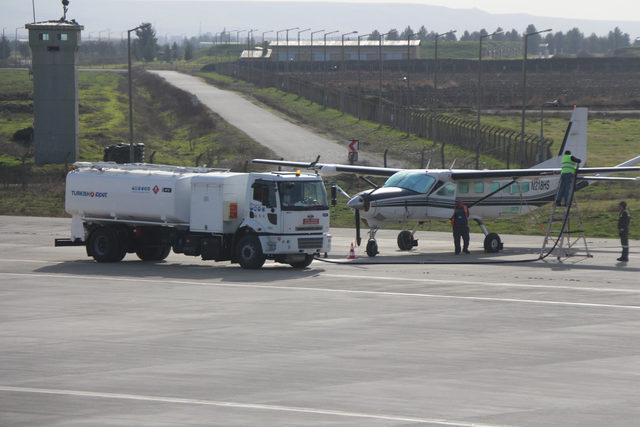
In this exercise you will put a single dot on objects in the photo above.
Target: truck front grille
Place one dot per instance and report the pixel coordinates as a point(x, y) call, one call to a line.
point(310, 243)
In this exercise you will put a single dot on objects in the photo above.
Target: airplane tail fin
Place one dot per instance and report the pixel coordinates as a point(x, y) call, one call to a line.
point(575, 140)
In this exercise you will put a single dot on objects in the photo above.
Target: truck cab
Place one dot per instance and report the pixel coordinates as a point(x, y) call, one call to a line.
point(289, 213)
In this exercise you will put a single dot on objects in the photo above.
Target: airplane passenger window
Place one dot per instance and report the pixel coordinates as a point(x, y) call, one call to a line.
point(521, 187)
point(478, 187)
point(463, 187)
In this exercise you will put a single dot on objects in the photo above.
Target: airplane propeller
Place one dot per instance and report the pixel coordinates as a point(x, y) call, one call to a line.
point(357, 218)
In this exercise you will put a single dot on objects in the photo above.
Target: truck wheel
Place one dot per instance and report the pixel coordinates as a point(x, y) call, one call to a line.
point(308, 259)
point(153, 253)
point(104, 245)
point(249, 253)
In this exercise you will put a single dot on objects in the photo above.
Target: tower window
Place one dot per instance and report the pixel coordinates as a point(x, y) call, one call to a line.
point(43, 36)
point(63, 37)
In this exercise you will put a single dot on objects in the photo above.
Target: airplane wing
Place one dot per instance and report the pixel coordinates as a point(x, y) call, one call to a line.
point(328, 169)
point(513, 173)
point(609, 178)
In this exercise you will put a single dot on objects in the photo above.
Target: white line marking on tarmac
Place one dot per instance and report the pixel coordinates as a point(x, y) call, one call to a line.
point(466, 282)
point(33, 261)
point(162, 281)
point(257, 406)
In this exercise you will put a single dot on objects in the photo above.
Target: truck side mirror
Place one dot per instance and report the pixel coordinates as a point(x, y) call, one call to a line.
point(334, 195)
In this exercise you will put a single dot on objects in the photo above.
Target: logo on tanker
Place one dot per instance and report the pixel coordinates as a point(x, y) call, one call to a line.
point(140, 189)
point(90, 194)
point(156, 189)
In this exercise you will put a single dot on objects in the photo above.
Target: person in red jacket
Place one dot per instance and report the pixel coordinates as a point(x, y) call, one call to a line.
point(460, 224)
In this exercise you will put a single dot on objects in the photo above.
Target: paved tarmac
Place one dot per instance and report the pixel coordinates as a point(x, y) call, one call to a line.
point(285, 138)
point(187, 342)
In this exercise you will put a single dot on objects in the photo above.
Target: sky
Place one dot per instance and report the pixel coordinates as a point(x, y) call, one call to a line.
point(627, 10)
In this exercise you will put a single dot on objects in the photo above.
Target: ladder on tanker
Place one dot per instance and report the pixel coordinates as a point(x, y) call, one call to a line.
point(564, 236)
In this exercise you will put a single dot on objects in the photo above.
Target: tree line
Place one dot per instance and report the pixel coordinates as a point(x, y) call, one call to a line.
point(573, 42)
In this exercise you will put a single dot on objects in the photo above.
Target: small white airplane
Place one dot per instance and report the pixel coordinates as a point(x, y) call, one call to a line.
point(418, 195)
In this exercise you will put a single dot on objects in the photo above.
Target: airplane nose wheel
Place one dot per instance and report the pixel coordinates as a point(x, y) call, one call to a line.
point(372, 248)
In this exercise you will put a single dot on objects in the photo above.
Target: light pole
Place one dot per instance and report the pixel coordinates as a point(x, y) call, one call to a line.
point(238, 32)
point(15, 48)
point(554, 103)
point(250, 51)
point(265, 51)
point(324, 69)
point(342, 49)
point(278, 45)
point(409, 38)
point(299, 50)
point(263, 34)
point(3, 48)
point(131, 153)
point(435, 68)
point(479, 95)
point(360, 75)
point(250, 38)
point(288, 58)
point(381, 71)
point(311, 49)
point(524, 87)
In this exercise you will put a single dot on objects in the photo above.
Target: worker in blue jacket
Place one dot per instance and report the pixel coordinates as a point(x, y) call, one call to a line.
point(460, 224)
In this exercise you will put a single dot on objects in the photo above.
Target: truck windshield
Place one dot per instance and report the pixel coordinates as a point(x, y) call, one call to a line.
point(419, 182)
point(302, 195)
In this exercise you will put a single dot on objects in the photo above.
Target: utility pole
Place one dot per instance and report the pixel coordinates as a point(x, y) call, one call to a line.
point(299, 49)
point(435, 68)
point(131, 150)
point(324, 70)
point(360, 76)
point(479, 95)
point(265, 51)
point(311, 49)
point(524, 90)
point(381, 68)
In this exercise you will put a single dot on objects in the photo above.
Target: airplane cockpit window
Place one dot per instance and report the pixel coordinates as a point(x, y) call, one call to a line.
point(447, 190)
point(419, 182)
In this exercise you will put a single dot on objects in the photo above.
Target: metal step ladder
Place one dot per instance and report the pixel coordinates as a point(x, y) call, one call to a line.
point(565, 233)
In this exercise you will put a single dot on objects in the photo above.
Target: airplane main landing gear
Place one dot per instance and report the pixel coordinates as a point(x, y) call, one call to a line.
point(406, 241)
point(492, 241)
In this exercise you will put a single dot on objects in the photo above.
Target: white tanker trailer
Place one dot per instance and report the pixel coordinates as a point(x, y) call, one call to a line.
point(217, 215)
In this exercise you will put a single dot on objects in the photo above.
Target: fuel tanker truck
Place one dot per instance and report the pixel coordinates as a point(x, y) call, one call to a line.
point(218, 215)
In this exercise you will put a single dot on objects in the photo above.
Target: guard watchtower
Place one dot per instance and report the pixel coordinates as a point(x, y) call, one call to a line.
point(54, 52)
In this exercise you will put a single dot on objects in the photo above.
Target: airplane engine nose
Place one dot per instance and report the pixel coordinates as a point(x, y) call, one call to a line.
point(356, 202)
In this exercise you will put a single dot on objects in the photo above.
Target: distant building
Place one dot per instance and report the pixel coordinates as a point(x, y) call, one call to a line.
point(369, 50)
point(54, 52)
point(256, 54)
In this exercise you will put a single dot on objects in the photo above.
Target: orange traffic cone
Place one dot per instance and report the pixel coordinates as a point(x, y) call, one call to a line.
point(352, 252)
